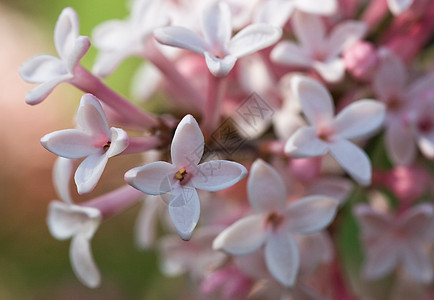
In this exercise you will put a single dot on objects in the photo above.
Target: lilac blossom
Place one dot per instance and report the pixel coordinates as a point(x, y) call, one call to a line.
point(274, 223)
point(184, 175)
point(220, 49)
point(328, 133)
point(50, 70)
point(93, 139)
point(316, 49)
point(392, 241)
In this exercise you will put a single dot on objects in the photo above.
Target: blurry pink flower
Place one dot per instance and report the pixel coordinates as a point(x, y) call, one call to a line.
point(275, 222)
point(78, 223)
point(93, 139)
point(220, 49)
point(184, 175)
point(401, 241)
point(277, 12)
point(317, 50)
point(409, 116)
point(50, 70)
point(328, 133)
point(117, 40)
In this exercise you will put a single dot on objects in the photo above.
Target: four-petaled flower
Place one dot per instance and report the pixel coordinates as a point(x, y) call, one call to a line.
point(50, 70)
point(390, 241)
point(328, 133)
point(275, 222)
point(220, 50)
point(184, 175)
point(317, 50)
point(93, 139)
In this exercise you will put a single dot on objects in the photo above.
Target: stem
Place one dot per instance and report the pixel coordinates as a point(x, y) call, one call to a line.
point(141, 144)
point(115, 202)
point(211, 114)
point(176, 81)
point(89, 83)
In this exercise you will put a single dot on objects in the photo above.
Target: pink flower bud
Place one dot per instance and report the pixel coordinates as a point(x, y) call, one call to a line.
point(360, 60)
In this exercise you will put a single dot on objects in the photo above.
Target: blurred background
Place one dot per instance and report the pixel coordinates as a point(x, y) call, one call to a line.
point(33, 265)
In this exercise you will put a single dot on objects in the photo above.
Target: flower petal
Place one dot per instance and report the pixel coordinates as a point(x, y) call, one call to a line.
point(282, 258)
point(360, 119)
point(289, 53)
point(187, 144)
point(338, 188)
point(426, 144)
point(91, 117)
point(146, 223)
point(253, 38)
point(417, 263)
point(315, 100)
point(325, 7)
point(217, 175)
point(400, 144)
point(310, 214)
point(399, 6)
point(39, 93)
point(119, 141)
point(305, 143)
point(82, 262)
point(331, 70)
point(65, 220)
point(266, 189)
point(181, 37)
point(217, 24)
point(381, 258)
point(274, 12)
point(184, 210)
point(344, 35)
point(310, 31)
point(219, 67)
point(155, 178)
point(89, 172)
point(353, 160)
point(42, 68)
point(66, 32)
point(417, 220)
point(81, 45)
point(242, 237)
point(69, 143)
point(391, 75)
point(62, 174)
point(372, 223)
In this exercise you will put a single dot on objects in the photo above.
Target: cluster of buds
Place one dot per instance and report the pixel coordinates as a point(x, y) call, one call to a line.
point(312, 117)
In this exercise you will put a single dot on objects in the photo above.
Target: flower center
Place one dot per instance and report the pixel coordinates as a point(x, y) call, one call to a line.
point(106, 146)
point(394, 104)
point(425, 125)
point(325, 134)
point(273, 220)
point(181, 174)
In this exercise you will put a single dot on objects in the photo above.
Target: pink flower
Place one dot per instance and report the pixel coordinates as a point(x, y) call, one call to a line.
point(220, 49)
point(328, 133)
point(93, 139)
point(184, 175)
point(397, 241)
point(50, 70)
point(274, 223)
point(317, 50)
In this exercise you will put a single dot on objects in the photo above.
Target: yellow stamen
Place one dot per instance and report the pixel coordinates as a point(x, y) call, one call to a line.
point(180, 175)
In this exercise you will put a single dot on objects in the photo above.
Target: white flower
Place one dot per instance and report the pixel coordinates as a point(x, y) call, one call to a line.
point(118, 39)
point(317, 50)
point(220, 49)
point(328, 133)
point(399, 6)
point(78, 223)
point(274, 223)
point(93, 139)
point(50, 70)
point(184, 175)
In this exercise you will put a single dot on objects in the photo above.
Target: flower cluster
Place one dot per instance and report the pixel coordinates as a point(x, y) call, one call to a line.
point(312, 118)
